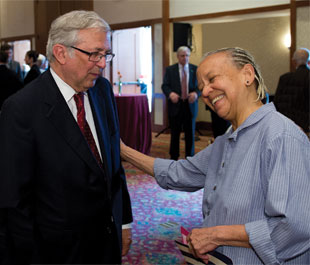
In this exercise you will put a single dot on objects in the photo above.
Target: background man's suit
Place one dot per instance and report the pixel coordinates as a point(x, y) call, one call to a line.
point(15, 66)
point(81, 206)
point(181, 110)
point(9, 83)
point(292, 96)
point(33, 73)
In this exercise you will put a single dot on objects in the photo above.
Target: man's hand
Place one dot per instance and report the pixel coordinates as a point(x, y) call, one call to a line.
point(174, 97)
point(192, 97)
point(126, 241)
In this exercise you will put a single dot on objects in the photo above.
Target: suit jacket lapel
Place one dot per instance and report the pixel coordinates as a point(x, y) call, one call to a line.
point(59, 114)
point(99, 108)
point(177, 76)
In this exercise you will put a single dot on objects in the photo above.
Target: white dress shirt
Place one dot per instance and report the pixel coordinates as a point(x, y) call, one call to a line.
point(68, 92)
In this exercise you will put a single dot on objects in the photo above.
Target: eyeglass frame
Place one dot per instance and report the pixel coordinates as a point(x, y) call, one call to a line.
point(91, 53)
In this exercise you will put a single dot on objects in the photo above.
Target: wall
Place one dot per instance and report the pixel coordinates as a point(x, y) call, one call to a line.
point(262, 37)
point(180, 8)
point(121, 11)
point(303, 27)
point(16, 18)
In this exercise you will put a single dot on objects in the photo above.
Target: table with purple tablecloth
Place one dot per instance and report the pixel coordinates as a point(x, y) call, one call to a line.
point(135, 121)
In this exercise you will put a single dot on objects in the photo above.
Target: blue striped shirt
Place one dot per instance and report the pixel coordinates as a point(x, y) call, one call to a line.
point(259, 176)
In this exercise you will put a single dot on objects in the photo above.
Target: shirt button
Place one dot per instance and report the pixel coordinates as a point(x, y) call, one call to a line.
point(223, 164)
point(208, 213)
point(214, 188)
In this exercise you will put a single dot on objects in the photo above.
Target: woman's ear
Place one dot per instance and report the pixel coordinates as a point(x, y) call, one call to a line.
point(60, 53)
point(249, 74)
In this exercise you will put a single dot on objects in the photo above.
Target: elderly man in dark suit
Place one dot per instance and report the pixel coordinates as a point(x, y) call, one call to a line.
point(181, 90)
point(292, 95)
point(9, 82)
point(63, 192)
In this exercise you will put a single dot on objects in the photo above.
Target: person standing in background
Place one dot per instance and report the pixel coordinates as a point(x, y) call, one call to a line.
point(13, 65)
point(63, 191)
point(31, 58)
point(292, 97)
point(180, 88)
point(9, 81)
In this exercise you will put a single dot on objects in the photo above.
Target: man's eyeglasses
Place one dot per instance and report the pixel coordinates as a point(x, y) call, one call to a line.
point(96, 56)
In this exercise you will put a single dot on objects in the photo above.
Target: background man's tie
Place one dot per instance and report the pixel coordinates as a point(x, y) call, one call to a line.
point(184, 84)
point(82, 122)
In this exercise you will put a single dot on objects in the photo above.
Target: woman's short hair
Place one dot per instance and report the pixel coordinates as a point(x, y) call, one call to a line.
point(241, 57)
point(64, 29)
point(33, 54)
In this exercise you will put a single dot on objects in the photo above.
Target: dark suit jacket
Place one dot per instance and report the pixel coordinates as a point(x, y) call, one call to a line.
point(292, 96)
point(9, 83)
point(51, 187)
point(33, 73)
point(15, 67)
point(172, 83)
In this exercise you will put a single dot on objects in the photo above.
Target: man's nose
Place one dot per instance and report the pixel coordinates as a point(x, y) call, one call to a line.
point(102, 63)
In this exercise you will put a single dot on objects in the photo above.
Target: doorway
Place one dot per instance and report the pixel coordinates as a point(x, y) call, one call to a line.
point(132, 64)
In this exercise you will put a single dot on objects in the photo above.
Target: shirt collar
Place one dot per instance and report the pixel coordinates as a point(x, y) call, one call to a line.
point(255, 117)
point(181, 66)
point(67, 91)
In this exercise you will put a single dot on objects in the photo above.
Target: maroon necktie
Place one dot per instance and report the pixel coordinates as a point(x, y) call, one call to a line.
point(184, 84)
point(83, 124)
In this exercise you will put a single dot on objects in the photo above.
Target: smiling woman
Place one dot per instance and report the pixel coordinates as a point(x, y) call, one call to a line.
point(231, 84)
point(246, 216)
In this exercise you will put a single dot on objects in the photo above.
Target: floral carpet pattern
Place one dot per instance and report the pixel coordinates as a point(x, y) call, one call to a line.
point(158, 213)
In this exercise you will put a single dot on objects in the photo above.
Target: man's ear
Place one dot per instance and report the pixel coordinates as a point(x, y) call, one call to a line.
point(249, 74)
point(60, 53)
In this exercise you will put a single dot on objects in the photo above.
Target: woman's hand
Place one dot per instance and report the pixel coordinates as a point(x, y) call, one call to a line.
point(201, 241)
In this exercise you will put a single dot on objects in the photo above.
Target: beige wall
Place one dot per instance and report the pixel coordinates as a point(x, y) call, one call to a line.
point(262, 37)
point(16, 18)
point(128, 10)
point(303, 27)
point(180, 8)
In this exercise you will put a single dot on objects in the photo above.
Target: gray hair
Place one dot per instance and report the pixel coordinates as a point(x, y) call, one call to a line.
point(64, 29)
point(241, 57)
point(183, 49)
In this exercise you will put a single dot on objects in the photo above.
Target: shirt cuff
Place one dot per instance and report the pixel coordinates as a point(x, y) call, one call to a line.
point(259, 237)
point(126, 226)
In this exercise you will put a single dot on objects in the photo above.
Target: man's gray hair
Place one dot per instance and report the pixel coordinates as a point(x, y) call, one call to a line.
point(64, 29)
point(241, 57)
point(183, 49)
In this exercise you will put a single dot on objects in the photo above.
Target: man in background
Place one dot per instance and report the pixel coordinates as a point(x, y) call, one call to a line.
point(9, 82)
point(292, 95)
point(181, 90)
point(13, 65)
point(63, 191)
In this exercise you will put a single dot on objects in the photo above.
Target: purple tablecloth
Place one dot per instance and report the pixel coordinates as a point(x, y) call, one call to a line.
point(135, 121)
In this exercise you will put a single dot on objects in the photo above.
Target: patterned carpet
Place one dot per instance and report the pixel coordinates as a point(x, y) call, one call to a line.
point(158, 213)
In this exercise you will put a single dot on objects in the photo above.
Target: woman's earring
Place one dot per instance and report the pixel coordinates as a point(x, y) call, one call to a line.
point(247, 82)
